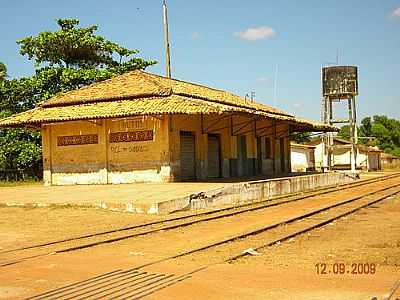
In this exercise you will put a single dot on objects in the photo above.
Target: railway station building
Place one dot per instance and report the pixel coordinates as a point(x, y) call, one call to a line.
point(141, 127)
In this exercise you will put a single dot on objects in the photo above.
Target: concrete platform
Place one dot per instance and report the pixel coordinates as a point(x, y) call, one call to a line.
point(166, 197)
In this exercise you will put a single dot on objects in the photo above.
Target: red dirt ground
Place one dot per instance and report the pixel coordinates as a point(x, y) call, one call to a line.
point(285, 271)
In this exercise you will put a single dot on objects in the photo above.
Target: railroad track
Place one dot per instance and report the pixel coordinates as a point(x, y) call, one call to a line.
point(119, 234)
point(129, 284)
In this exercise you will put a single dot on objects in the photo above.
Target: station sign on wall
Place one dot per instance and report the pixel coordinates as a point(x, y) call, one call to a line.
point(73, 140)
point(131, 136)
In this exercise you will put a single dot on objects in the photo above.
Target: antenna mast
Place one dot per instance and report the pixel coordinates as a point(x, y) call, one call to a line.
point(166, 40)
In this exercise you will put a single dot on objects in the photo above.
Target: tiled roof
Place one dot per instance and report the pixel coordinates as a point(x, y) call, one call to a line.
point(139, 84)
point(118, 108)
point(141, 93)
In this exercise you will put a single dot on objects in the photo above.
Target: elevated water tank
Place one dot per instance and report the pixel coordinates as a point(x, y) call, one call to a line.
point(340, 81)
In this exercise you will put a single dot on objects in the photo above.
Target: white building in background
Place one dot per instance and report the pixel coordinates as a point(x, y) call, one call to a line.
point(389, 161)
point(302, 157)
point(368, 158)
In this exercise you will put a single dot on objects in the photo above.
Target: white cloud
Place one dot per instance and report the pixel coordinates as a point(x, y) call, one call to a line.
point(396, 12)
point(256, 33)
point(298, 105)
point(195, 35)
point(264, 80)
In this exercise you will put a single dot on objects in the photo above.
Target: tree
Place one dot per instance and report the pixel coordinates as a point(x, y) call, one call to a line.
point(64, 60)
point(3, 71)
point(365, 128)
point(301, 137)
point(378, 131)
point(344, 132)
point(79, 48)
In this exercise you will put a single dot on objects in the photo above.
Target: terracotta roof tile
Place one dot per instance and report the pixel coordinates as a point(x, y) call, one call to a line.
point(141, 93)
point(139, 84)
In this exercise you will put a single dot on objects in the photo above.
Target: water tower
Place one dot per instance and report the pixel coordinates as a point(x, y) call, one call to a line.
point(340, 85)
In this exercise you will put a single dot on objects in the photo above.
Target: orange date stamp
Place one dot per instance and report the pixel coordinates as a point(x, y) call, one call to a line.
point(342, 268)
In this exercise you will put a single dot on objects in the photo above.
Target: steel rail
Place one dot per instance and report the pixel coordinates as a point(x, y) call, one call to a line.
point(179, 225)
point(269, 227)
point(304, 195)
point(287, 237)
point(320, 224)
point(280, 239)
point(235, 211)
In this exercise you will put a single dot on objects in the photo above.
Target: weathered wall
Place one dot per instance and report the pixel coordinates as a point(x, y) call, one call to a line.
point(389, 162)
point(46, 154)
point(250, 192)
point(147, 149)
point(141, 158)
point(106, 151)
point(301, 159)
point(342, 156)
point(374, 161)
point(229, 135)
point(320, 157)
point(74, 160)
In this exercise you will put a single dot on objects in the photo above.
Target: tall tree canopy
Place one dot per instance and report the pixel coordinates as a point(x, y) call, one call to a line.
point(74, 47)
point(378, 131)
point(3, 71)
point(66, 59)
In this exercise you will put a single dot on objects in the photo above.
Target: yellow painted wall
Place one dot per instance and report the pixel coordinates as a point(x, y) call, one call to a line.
point(46, 154)
point(215, 124)
point(139, 161)
point(78, 164)
point(155, 160)
point(105, 162)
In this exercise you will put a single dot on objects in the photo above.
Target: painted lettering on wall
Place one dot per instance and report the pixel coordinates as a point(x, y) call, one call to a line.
point(135, 123)
point(73, 140)
point(131, 136)
point(132, 149)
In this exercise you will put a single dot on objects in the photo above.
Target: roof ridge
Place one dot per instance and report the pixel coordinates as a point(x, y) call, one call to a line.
point(210, 88)
point(188, 82)
point(142, 84)
point(165, 91)
point(225, 103)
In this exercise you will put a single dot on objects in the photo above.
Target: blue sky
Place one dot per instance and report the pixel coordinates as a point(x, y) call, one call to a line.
point(238, 45)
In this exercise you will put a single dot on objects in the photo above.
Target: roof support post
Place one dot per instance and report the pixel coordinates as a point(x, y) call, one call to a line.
point(274, 147)
point(202, 123)
point(231, 123)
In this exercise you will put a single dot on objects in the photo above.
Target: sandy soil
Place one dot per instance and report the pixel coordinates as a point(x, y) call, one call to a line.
point(285, 271)
point(21, 226)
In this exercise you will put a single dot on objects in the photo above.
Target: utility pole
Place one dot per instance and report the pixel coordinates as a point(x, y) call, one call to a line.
point(166, 40)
